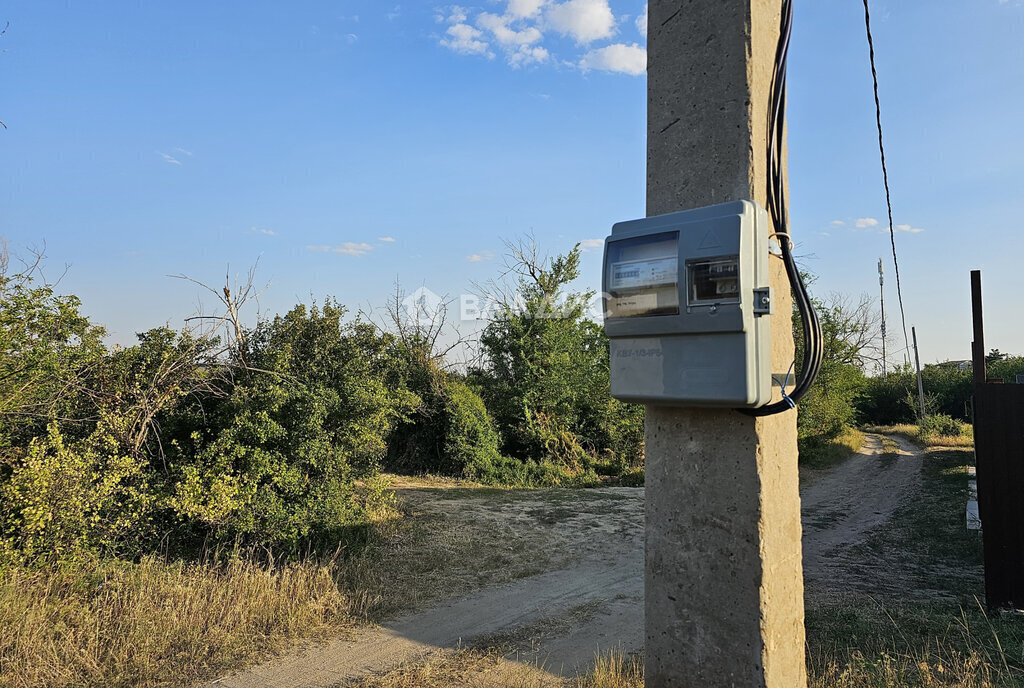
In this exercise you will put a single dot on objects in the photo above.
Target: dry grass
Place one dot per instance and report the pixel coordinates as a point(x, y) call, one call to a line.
point(924, 648)
point(113, 623)
point(919, 622)
point(924, 439)
point(958, 671)
point(490, 668)
point(890, 447)
point(614, 670)
point(818, 453)
point(156, 623)
point(470, 668)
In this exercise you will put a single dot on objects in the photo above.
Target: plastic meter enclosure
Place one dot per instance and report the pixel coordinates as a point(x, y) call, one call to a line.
point(687, 305)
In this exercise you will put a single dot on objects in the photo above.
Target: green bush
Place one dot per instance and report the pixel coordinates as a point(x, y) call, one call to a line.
point(471, 443)
point(883, 400)
point(943, 426)
point(276, 462)
point(448, 432)
point(63, 499)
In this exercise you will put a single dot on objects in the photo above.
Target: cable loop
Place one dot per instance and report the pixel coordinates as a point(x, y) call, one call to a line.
point(810, 325)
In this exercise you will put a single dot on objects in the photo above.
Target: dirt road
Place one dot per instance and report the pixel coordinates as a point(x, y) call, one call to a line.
point(841, 505)
point(558, 619)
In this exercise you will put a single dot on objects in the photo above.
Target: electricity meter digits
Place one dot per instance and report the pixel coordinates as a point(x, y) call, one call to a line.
point(686, 306)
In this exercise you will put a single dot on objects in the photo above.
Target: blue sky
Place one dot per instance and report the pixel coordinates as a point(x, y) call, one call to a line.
point(349, 144)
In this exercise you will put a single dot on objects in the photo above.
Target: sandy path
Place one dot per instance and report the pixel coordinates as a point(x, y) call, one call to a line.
point(843, 504)
point(595, 604)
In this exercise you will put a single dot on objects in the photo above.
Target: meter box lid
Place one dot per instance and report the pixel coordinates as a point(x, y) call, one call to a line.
point(685, 309)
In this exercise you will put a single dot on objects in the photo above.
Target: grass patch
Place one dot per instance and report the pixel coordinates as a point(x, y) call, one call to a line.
point(925, 438)
point(860, 645)
point(890, 447)
point(159, 623)
point(817, 452)
point(920, 624)
point(490, 667)
point(614, 670)
point(176, 623)
point(461, 668)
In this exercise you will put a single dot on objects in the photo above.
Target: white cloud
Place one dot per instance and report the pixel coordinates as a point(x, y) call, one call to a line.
point(457, 15)
point(183, 151)
point(628, 59)
point(504, 34)
point(522, 31)
point(349, 248)
point(588, 245)
point(863, 222)
point(525, 55)
point(387, 239)
point(263, 230)
point(465, 39)
point(480, 257)
point(169, 158)
point(518, 43)
point(641, 22)
point(522, 9)
point(908, 228)
point(837, 223)
point(585, 20)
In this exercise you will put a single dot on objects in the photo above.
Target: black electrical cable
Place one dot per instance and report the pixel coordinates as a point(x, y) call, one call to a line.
point(810, 325)
point(885, 172)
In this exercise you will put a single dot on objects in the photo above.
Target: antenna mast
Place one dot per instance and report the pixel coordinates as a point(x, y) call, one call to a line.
point(881, 290)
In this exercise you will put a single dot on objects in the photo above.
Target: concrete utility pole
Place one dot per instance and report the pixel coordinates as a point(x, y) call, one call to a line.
point(723, 571)
point(920, 382)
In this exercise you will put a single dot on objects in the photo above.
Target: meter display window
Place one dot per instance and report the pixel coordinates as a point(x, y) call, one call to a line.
point(713, 281)
point(643, 276)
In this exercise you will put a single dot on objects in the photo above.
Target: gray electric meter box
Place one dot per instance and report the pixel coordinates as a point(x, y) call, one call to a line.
point(687, 305)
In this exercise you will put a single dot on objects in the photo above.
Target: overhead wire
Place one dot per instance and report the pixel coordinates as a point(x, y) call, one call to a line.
point(885, 171)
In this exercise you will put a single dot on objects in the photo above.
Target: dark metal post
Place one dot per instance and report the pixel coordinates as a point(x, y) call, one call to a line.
point(978, 346)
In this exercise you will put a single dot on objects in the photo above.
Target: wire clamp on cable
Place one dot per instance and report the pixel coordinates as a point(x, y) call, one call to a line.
point(785, 383)
point(779, 236)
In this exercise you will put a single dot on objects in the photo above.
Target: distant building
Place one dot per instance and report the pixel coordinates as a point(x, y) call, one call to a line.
point(959, 365)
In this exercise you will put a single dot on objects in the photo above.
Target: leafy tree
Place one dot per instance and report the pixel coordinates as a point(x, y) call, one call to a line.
point(994, 356)
point(47, 350)
point(544, 374)
point(1007, 368)
point(849, 333)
